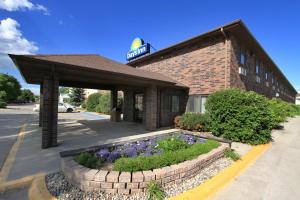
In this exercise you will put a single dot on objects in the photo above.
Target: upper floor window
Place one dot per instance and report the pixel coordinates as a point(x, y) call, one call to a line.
point(266, 74)
point(243, 56)
point(257, 67)
point(257, 71)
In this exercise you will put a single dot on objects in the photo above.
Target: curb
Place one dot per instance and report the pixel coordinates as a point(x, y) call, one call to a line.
point(38, 190)
point(19, 183)
point(210, 187)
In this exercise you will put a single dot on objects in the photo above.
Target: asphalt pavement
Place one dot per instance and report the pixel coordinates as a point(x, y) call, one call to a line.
point(11, 120)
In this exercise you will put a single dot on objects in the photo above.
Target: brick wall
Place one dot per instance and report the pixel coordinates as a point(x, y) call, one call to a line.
point(201, 66)
point(213, 64)
point(129, 183)
point(248, 82)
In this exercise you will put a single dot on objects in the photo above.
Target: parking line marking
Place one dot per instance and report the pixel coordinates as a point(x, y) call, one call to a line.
point(12, 155)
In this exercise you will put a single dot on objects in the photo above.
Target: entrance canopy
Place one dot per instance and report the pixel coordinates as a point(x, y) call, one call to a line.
point(96, 72)
point(87, 71)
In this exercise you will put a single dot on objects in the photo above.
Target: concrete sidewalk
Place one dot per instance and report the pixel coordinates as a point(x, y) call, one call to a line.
point(31, 159)
point(276, 174)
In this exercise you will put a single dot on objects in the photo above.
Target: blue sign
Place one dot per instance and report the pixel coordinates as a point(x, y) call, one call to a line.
point(138, 48)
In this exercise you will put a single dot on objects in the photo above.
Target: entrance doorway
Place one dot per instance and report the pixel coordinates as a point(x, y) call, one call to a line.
point(138, 107)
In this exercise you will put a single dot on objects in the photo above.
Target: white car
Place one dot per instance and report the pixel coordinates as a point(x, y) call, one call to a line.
point(62, 107)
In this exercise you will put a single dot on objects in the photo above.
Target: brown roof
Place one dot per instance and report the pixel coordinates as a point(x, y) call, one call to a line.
point(99, 63)
point(237, 26)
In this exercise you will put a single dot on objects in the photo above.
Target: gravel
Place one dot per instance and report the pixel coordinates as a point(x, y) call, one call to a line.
point(62, 190)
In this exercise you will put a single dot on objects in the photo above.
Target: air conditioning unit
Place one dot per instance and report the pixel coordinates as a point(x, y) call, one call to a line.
point(242, 71)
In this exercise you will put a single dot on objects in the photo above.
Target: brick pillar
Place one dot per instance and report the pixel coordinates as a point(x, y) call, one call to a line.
point(128, 106)
point(49, 112)
point(113, 98)
point(41, 105)
point(151, 120)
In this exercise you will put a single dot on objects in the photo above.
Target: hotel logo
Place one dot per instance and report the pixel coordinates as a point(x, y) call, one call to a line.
point(138, 48)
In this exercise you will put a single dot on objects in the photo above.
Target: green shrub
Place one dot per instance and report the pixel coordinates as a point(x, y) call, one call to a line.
point(282, 110)
point(165, 159)
point(240, 116)
point(88, 160)
point(92, 102)
point(104, 104)
point(192, 121)
point(3, 98)
point(155, 191)
point(83, 105)
point(3, 104)
point(171, 144)
point(230, 153)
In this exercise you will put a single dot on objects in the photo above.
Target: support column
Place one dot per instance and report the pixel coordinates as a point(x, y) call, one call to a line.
point(113, 98)
point(49, 112)
point(41, 105)
point(128, 106)
point(151, 119)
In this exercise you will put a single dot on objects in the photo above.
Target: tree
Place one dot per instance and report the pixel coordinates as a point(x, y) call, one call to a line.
point(11, 86)
point(64, 90)
point(2, 99)
point(76, 96)
point(27, 95)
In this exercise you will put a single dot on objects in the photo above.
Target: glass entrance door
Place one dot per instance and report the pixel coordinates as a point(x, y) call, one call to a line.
point(138, 107)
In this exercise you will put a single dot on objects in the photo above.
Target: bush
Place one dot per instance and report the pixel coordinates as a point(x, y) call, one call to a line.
point(3, 97)
point(83, 105)
point(3, 104)
point(230, 153)
point(192, 121)
point(92, 102)
point(155, 191)
point(171, 144)
point(88, 160)
point(104, 104)
point(282, 110)
point(165, 159)
point(240, 116)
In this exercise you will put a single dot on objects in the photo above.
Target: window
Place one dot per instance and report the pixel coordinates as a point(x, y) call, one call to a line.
point(257, 67)
point(243, 57)
point(203, 101)
point(242, 71)
point(266, 75)
point(257, 70)
point(175, 104)
point(196, 103)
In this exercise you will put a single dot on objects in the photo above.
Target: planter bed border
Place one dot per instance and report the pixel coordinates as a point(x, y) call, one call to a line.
point(134, 182)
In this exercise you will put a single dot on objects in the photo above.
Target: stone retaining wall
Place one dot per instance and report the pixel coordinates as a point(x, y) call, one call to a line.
point(129, 183)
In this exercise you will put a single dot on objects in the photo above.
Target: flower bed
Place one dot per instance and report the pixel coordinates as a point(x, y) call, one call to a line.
point(166, 160)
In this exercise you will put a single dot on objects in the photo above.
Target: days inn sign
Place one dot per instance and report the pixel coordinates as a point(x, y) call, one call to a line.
point(137, 49)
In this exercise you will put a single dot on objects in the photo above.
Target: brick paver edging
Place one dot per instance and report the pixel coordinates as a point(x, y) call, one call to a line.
point(129, 183)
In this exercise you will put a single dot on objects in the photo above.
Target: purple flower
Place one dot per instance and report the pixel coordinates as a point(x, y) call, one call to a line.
point(151, 142)
point(201, 140)
point(131, 151)
point(103, 153)
point(114, 155)
point(147, 154)
point(141, 146)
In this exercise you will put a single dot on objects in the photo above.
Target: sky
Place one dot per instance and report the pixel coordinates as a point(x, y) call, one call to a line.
point(107, 28)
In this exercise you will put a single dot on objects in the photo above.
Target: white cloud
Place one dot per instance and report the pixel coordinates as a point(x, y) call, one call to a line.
point(15, 5)
point(12, 41)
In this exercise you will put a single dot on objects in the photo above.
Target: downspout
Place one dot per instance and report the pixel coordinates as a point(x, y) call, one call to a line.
point(226, 55)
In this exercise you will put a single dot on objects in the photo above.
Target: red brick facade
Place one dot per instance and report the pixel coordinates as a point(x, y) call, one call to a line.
point(212, 63)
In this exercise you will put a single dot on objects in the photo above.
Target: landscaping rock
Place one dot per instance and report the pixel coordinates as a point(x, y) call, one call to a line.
point(62, 190)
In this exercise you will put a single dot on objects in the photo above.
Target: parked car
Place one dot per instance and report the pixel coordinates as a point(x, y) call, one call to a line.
point(62, 107)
